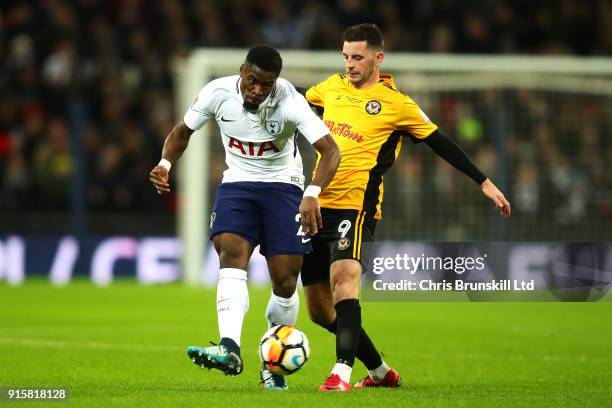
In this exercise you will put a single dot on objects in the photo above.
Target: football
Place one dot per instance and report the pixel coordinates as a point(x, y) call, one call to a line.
point(284, 349)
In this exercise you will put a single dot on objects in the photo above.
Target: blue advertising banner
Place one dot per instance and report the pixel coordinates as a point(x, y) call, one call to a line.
point(393, 271)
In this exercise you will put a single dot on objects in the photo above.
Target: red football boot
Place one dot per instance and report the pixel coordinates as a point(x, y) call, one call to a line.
point(391, 380)
point(335, 383)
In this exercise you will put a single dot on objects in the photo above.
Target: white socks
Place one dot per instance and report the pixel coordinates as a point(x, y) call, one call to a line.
point(344, 371)
point(282, 310)
point(232, 302)
point(378, 374)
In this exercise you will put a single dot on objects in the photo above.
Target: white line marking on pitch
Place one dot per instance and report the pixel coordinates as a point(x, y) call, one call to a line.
point(22, 342)
point(518, 357)
point(86, 345)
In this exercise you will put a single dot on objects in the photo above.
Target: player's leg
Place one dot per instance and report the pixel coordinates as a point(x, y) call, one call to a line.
point(345, 280)
point(234, 232)
point(351, 228)
point(283, 246)
point(232, 304)
point(357, 258)
point(315, 273)
point(320, 302)
point(345, 277)
point(349, 261)
point(232, 293)
point(283, 305)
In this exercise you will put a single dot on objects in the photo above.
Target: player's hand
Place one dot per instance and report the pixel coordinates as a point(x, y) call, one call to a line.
point(501, 204)
point(159, 179)
point(310, 215)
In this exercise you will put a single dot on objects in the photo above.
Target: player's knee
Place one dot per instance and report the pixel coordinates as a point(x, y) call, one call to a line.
point(285, 286)
point(345, 288)
point(233, 258)
point(344, 281)
point(345, 271)
point(284, 279)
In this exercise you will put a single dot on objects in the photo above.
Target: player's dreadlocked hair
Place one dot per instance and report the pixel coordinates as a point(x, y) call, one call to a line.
point(266, 58)
point(365, 32)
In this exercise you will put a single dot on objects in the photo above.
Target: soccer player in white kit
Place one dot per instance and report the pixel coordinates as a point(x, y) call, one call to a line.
point(260, 200)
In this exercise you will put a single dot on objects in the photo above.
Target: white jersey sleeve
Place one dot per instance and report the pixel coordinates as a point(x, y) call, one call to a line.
point(307, 122)
point(203, 108)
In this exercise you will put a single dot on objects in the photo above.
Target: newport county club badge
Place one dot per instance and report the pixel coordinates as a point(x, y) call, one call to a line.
point(272, 126)
point(373, 107)
point(343, 243)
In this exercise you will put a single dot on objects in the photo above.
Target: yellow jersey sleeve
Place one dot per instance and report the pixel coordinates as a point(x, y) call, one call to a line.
point(413, 120)
point(316, 93)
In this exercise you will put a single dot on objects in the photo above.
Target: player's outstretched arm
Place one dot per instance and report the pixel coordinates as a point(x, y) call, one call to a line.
point(328, 164)
point(452, 153)
point(175, 144)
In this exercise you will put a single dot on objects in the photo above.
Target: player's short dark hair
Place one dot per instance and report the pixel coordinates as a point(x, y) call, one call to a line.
point(266, 58)
point(367, 32)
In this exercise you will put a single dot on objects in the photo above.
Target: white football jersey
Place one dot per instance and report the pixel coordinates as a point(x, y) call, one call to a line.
point(259, 146)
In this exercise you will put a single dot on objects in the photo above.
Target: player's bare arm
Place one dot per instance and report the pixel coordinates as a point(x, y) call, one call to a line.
point(175, 144)
point(328, 164)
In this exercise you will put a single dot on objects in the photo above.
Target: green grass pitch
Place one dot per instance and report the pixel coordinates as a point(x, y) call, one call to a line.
point(124, 346)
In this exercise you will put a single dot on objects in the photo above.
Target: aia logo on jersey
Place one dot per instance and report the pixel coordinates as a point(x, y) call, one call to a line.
point(373, 107)
point(272, 126)
point(250, 148)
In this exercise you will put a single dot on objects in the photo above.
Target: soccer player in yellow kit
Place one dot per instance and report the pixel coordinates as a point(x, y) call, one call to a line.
point(368, 118)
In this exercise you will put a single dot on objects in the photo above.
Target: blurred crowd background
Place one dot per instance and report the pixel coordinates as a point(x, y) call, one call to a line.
point(87, 98)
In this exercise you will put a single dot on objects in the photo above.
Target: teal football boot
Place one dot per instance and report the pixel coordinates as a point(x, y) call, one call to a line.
point(271, 381)
point(216, 356)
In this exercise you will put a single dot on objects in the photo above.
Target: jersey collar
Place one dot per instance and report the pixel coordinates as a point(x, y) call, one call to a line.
point(383, 78)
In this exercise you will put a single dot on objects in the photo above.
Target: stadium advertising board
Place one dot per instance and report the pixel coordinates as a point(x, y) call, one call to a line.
point(396, 270)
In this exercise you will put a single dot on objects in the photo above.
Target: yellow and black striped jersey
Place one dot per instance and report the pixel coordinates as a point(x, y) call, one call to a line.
point(368, 125)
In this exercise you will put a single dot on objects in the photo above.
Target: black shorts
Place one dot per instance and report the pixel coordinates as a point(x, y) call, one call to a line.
point(346, 234)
